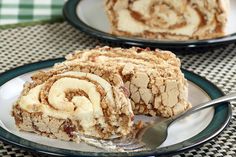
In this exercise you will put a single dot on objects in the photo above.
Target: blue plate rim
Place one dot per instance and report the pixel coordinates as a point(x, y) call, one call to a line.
point(221, 119)
point(69, 12)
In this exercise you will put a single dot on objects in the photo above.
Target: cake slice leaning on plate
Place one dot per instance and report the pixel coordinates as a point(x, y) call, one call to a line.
point(168, 19)
point(156, 84)
point(61, 104)
point(95, 92)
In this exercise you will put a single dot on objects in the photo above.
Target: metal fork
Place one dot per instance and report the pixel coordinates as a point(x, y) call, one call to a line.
point(154, 134)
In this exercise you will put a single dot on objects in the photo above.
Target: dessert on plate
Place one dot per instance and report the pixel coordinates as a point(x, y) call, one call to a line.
point(168, 19)
point(97, 92)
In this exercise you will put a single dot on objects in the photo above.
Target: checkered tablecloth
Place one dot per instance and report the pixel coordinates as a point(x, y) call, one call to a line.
point(17, 11)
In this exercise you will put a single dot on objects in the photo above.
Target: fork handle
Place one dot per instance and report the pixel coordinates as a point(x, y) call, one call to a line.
point(199, 107)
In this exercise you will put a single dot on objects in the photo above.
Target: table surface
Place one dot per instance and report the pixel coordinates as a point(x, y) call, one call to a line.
point(22, 45)
point(16, 11)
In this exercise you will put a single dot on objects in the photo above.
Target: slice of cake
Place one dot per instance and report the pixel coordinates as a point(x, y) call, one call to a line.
point(95, 92)
point(61, 104)
point(168, 19)
point(154, 79)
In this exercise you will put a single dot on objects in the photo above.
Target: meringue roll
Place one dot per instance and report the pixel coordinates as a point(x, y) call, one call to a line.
point(156, 85)
point(64, 104)
point(168, 19)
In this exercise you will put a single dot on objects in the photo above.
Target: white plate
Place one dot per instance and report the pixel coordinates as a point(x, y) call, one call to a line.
point(186, 128)
point(89, 16)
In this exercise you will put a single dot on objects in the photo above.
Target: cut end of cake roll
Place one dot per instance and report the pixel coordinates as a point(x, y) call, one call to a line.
point(64, 104)
point(168, 19)
point(155, 82)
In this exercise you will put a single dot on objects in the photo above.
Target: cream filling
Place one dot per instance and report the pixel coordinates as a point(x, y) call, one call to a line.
point(142, 7)
point(86, 109)
point(31, 100)
point(56, 96)
point(168, 15)
point(128, 24)
point(105, 85)
point(121, 5)
point(84, 112)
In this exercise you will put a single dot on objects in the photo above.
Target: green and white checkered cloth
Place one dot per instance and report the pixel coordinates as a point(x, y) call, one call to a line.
point(17, 11)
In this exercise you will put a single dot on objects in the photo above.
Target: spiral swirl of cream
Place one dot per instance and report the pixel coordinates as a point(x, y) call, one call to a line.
point(176, 17)
point(84, 105)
